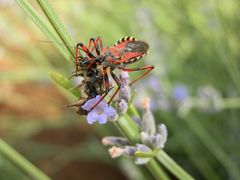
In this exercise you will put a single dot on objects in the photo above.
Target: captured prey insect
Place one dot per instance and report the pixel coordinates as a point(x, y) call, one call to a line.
point(126, 51)
point(91, 85)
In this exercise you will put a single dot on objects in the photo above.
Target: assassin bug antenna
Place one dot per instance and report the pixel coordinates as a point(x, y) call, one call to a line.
point(47, 41)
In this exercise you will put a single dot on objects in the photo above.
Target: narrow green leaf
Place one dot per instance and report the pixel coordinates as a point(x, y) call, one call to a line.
point(58, 26)
point(18, 160)
point(43, 26)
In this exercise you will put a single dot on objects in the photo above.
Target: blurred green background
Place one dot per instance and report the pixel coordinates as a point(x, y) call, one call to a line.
point(194, 88)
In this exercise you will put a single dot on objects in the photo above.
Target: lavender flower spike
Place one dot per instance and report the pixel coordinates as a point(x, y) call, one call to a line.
point(125, 91)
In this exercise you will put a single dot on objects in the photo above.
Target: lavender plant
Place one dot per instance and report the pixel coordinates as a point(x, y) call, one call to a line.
point(143, 142)
point(192, 43)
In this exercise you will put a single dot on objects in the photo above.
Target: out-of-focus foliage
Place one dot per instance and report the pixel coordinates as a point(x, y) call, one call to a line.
point(195, 86)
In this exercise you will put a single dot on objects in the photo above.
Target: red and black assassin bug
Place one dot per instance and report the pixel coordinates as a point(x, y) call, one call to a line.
point(125, 51)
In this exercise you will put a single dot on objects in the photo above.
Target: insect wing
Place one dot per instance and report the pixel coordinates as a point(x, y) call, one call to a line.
point(134, 50)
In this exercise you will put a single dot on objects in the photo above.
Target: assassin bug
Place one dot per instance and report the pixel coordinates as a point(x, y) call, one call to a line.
point(126, 51)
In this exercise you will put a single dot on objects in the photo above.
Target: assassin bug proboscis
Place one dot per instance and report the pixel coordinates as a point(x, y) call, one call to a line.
point(126, 51)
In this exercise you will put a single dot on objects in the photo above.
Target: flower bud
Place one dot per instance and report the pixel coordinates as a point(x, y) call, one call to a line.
point(122, 107)
point(143, 148)
point(124, 77)
point(142, 161)
point(130, 150)
point(125, 93)
point(148, 121)
point(145, 139)
point(116, 151)
point(161, 136)
point(116, 141)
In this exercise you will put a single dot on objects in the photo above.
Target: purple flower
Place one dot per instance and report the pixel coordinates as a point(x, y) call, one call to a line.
point(180, 93)
point(101, 113)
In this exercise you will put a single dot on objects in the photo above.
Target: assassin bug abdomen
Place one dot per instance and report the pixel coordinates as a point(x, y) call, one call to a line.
point(126, 51)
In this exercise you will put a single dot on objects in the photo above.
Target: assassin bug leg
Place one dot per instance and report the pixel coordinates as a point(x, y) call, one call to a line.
point(119, 84)
point(106, 84)
point(149, 68)
point(82, 47)
point(97, 44)
point(91, 44)
point(76, 56)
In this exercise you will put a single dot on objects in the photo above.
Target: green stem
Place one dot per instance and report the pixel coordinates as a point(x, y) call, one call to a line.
point(133, 111)
point(129, 128)
point(23, 164)
point(231, 103)
point(172, 166)
point(156, 170)
point(145, 154)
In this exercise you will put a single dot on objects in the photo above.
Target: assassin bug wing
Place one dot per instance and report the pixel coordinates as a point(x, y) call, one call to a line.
point(134, 51)
point(136, 46)
point(130, 49)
